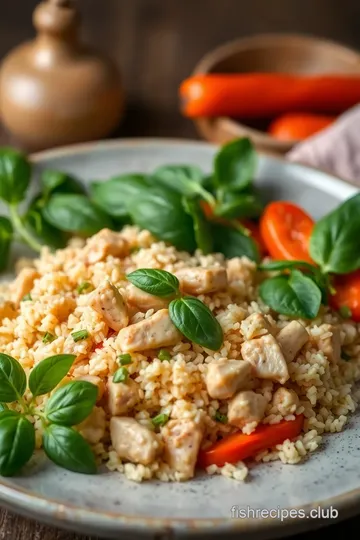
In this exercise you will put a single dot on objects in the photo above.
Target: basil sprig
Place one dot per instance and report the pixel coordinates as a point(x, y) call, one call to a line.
point(333, 247)
point(68, 406)
point(190, 316)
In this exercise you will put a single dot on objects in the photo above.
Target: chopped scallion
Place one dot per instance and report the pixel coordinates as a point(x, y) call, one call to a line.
point(26, 298)
point(48, 338)
point(219, 417)
point(124, 359)
point(160, 420)
point(164, 355)
point(121, 375)
point(84, 286)
point(80, 335)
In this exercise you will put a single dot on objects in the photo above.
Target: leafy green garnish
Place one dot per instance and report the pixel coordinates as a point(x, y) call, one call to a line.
point(157, 282)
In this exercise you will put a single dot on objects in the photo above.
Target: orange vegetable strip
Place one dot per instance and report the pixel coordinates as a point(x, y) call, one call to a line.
point(238, 447)
point(266, 95)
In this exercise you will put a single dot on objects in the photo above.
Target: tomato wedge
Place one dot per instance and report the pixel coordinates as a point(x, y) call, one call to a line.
point(347, 294)
point(286, 229)
point(237, 447)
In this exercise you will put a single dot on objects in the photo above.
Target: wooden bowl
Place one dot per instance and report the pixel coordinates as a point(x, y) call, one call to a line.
point(286, 53)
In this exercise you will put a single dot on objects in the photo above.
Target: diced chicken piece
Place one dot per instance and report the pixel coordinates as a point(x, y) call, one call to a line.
point(255, 325)
point(97, 381)
point(151, 333)
point(265, 355)
point(225, 377)
point(238, 270)
point(93, 427)
point(108, 301)
point(286, 401)
point(122, 396)
point(142, 300)
point(134, 442)
point(291, 339)
point(7, 311)
point(104, 243)
point(330, 345)
point(202, 280)
point(246, 408)
point(182, 440)
point(23, 284)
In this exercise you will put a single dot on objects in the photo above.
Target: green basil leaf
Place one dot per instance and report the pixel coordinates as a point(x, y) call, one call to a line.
point(49, 372)
point(67, 449)
point(59, 182)
point(334, 243)
point(40, 229)
point(160, 210)
point(233, 243)
point(234, 166)
point(207, 183)
point(6, 236)
point(273, 266)
point(239, 207)
point(296, 295)
point(71, 403)
point(195, 320)
point(12, 379)
point(155, 282)
point(202, 227)
point(112, 196)
point(15, 174)
point(185, 179)
point(17, 442)
point(75, 213)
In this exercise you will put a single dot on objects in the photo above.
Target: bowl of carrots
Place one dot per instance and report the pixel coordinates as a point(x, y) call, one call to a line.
point(276, 89)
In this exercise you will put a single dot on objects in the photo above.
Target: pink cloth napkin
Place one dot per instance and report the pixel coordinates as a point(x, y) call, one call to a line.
point(335, 149)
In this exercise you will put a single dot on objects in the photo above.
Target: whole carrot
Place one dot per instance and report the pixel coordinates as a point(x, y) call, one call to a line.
point(298, 126)
point(265, 95)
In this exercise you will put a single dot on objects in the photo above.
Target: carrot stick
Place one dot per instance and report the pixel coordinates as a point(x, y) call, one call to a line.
point(238, 446)
point(265, 95)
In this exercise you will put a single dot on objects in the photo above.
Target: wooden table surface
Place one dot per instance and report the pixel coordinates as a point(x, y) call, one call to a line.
point(157, 43)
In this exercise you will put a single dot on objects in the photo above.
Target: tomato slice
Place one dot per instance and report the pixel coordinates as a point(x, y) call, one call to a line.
point(347, 294)
point(286, 229)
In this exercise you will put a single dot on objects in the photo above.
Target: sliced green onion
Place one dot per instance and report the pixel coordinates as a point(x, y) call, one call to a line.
point(48, 338)
point(84, 286)
point(345, 312)
point(80, 335)
point(124, 359)
point(219, 417)
point(160, 420)
point(164, 355)
point(121, 375)
point(26, 298)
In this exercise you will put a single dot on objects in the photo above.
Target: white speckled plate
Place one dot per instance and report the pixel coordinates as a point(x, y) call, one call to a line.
point(111, 506)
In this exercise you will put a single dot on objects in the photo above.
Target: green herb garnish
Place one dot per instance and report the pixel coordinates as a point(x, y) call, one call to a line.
point(164, 355)
point(190, 316)
point(219, 417)
point(160, 420)
point(84, 286)
point(68, 406)
point(121, 375)
point(27, 298)
point(124, 359)
point(345, 312)
point(48, 338)
point(80, 335)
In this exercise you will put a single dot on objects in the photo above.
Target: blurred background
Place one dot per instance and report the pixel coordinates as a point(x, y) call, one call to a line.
point(157, 43)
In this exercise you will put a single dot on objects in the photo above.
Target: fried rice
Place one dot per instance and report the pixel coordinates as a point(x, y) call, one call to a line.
point(56, 305)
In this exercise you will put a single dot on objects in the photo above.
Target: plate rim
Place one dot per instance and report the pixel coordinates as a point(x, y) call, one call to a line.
point(99, 521)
